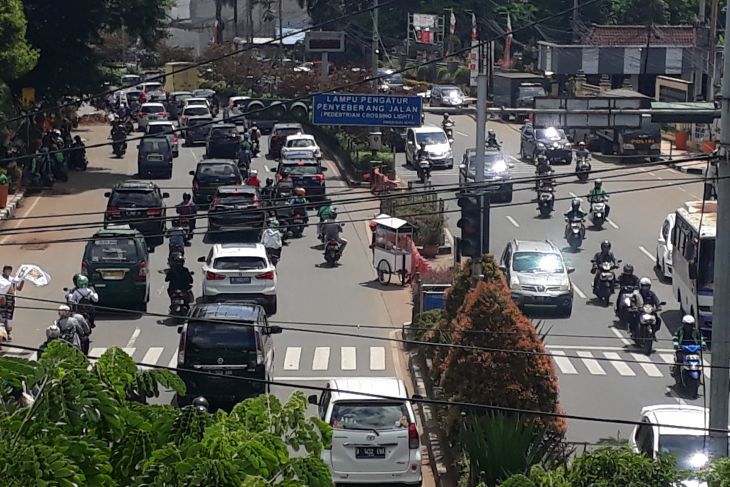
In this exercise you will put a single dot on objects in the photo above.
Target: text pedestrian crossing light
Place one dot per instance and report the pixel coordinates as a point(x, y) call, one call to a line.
point(470, 224)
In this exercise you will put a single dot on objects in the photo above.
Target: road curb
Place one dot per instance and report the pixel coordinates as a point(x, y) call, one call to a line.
point(15, 201)
point(689, 167)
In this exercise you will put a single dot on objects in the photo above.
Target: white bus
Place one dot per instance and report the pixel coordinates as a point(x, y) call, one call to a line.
point(693, 259)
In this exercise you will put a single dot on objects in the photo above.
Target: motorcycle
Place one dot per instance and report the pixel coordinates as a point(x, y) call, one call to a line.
point(598, 214)
point(605, 285)
point(180, 303)
point(296, 225)
point(543, 177)
point(449, 130)
point(644, 333)
point(627, 313)
point(77, 159)
point(119, 148)
point(545, 200)
point(687, 373)
point(59, 168)
point(187, 223)
point(332, 252)
point(582, 169)
point(575, 233)
point(274, 255)
point(424, 169)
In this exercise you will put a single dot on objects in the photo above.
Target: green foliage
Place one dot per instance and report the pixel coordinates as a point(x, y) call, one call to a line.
point(83, 430)
point(718, 475)
point(423, 73)
point(461, 77)
point(17, 57)
point(608, 467)
point(443, 75)
point(426, 322)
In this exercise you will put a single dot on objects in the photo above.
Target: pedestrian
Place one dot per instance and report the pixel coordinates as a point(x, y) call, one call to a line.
point(9, 286)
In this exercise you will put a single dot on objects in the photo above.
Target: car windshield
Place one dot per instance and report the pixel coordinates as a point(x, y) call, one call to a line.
point(287, 131)
point(689, 450)
point(493, 162)
point(143, 199)
point(537, 262)
point(526, 91)
point(220, 335)
point(152, 109)
point(199, 121)
point(223, 132)
point(133, 96)
point(301, 143)
point(430, 138)
point(160, 145)
point(196, 110)
point(451, 92)
point(239, 263)
point(152, 86)
point(369, 415)
point(300, 170)
point(113, 250)
point(182, 98)
point(216, 170)
point(550, 134)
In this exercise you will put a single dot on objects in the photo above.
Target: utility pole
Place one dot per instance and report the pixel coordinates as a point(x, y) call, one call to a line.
point(281, 31)
point(482, 81)
point(712, 58)
point(720, 382)
point(376, 40)
point(576, 18)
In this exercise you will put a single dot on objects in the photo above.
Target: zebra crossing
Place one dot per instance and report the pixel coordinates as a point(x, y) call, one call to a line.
point(608, 362)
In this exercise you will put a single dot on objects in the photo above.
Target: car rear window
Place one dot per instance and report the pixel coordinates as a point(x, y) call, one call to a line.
point(369, 415)
point(152, 86)
point(207, 336)
point(152, 109)
point(537, 262)
point(288, 131)
point(157, 129)
point(114, 250)
point(239, 263)
point(300, 170)
point(154, 146)
point(200, 121)
point(196, 110)
point(133, 95)
point(216, 170)
point(137, 198)
point(301, 143)
point(236, 199)
point(223, 132)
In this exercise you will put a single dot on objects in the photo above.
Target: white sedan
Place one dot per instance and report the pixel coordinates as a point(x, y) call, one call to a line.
point(300, 143)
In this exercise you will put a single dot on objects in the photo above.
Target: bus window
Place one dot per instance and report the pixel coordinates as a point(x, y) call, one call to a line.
point(706, 269)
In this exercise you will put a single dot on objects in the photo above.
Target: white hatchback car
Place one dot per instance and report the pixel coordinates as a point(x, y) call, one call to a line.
point(242, 272)
point(149, 112)
point(664, 246)
point(301, 143)
point(374, 441)
point(193, 111)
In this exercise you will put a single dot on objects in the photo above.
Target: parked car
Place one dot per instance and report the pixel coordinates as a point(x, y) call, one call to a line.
point(437, 146)
point(551, 140)
point(304, 173)
point(301, 142)
point(154, 157)
point(116, 263)
point(149, 112)
point(193, 111)
point(139, 205)
point(278, 137)
point(447, 96)
point(211, 174)
point(537, 275)
point(241, 272)
point(166, 128)
point(231, 340)
point(236, 208)
point(175, 101)
point(375, 441)
point(224, 141)
point(197, 130)
point(496, 173)
point(664, 246)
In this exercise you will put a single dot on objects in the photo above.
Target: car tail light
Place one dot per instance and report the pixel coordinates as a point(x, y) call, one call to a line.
point(215, 201)
point(256, 200)
point(212, 276)
point(413, 442)
point(154, 211)
point(181, 348)
point(174, 138)
point(84, 268)
point(319, 177)
point(259, 349)
point(279, 177)
point(142, 275)
point(266, 275)
point(113, 211)
point(163, 114)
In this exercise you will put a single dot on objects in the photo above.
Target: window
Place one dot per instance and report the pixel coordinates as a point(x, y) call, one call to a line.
point(300, 170)
point(537, 262)
point(550, 134)
point(324, 402)
point(301, 143)
point(122, 199)
point(369, 415)
point(236, 199)
point(706, 268)
point(160, 128)
point(203, 336)
point(645, 439)
point(239, 263)
point(221, 132)
point(195, 111)
point(287, 131)
point(114, 250)
point(152, 109)
point(154, 146)
point(430, 138)
point(665, 230)
point(683, 448)
point(215, 170)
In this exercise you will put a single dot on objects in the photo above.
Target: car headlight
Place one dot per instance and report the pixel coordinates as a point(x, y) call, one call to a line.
point(541, 145)
point(499, 166)
point(628, 146)
point(514, 284)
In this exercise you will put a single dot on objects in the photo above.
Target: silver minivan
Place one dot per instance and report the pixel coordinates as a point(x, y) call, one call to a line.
point(436, 142)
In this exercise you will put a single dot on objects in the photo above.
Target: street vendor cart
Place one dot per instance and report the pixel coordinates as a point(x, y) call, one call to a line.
point(392, 239)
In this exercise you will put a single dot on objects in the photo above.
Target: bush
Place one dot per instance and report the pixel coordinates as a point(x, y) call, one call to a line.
point(425, 322)
point(423, 73)
point(608, 467)
point(443, 75)
point(461, 77)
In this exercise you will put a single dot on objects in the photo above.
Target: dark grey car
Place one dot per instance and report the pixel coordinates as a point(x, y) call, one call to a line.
point(197, 130)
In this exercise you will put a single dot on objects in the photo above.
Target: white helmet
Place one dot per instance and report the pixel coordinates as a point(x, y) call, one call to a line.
point(64, 307)
point(688, 320)
point(645, 281)
point(53, 332)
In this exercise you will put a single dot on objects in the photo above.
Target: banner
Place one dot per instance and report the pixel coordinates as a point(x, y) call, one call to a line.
point(33, 274)
point(452, 23)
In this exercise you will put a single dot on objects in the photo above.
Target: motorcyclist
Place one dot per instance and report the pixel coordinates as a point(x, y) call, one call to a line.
point(268, 192)
point(324, 213)
point(687, 334)
point(118, 134)
point(574, 214)
point(422, 153)
point(253, 178)
point(255, 134)
point(542, 167)
point(179, 278)
point(492, 139)
point(77, 157)
point(647, 296)
point(331, 230)
point(298, 202)
point(187, 210)
point(582, 152)
point(627, 279)
point(82, 296)
point(246, 149)
point(599, 195)
point(53, 332)
point(176, 236)
point(271, 239)
point(446, 122)
point(605, 255)
point(71, 329)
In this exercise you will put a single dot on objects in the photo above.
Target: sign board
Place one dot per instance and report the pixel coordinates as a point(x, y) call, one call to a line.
point(367, 110)
point(425, 21)
point(324, 41)
point(570, 120)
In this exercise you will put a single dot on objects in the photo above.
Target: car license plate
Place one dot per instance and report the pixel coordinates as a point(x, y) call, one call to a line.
point(222, 371)
point(370, 452)
point(133, 213)
point(240, 280)
point(113, 275)
point(155, 158)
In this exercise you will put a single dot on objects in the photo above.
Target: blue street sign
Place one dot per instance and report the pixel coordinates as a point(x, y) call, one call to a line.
point(367, 110)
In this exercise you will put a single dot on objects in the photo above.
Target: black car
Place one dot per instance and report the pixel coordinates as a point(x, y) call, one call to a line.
point(278, 137)
point(197, 130)
point(496, 173)
point(304, 173)
point(236, 207)
point(551, 140)
point(139, 205)
point(231, 340)
point(224, 141)
point(210, 174)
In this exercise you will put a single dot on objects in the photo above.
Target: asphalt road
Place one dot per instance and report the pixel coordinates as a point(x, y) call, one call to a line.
point(311, 297)
point(589, 385)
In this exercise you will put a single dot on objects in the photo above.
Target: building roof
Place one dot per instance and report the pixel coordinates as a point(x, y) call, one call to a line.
point(635, 35)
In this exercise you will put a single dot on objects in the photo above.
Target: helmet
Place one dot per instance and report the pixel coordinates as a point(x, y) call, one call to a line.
point(491, 133)
point(186, 196)
point(273, 222)
point(446, 115)
point(246, 135)
point(605, 246)
point(628, 269)
point(581, 144)
point(201, 404)
point(53, 332)
point(253, 173)
point(645, 282)
point(176, 222)
point(333, 214)
point(575, 204)
point(77, 138)
point(598, 183)
point(299, 191)
point(269, 181)
point(82, 281)
point(64, 307)
point(688, 320)
point(373, 225)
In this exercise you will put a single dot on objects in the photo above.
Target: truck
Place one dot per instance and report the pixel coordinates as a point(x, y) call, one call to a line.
point(516, 90)
point(177, 80)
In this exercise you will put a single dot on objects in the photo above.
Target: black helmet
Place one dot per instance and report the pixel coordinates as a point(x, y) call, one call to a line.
point(541, 158)
point(176, 222)
point(575, 204)
point(201, 404)
point(186, 196)
point(598, 183)
point(629, 270)
point(605, 246)
point(333, 214)
point(446, 115)
point(177, 258)
point(269, 181)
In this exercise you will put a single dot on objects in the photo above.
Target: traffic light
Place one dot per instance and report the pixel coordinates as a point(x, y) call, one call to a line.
point(472, 224)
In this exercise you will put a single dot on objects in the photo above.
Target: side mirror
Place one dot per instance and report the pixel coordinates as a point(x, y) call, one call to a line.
point(571, 270)
point(313, 399)
point(417, 397)
point(179, 329)
point(510, 165)
point(273, 169)
point(323, 169)
point(192, 173)
point(201, 259)
point(165, 195)
point(107, 194)
point(275, 330)
point(503, 268)
point(662, 303)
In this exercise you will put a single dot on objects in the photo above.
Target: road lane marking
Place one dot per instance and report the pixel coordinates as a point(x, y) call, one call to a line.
point(321, 358)
point(377, 358)
point(659, 177)
point(579, 292)
point(96, 352)
point(266, 168)
point(620, 336)
point(682, 189)
point(151, 357)
point(563, 363)
point(348, 358)
point(135, 335)
point(129, 350)
point(513, 221)
point(650, 369)
point(591, 364)
point(598, 347)
point(461, 133)
point(667, 357)
point(610, 222)
point(642, 169)
point(620, 366)
point(291, 359)
point(647, 253)
point(652, 174)
point(706, 368)
point(515, 159)
point(173, 361)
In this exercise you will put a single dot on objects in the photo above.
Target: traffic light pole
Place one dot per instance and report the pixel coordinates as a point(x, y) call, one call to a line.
point(482, 80)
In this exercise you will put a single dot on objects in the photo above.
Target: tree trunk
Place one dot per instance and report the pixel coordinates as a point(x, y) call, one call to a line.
point(219, 22)
point(235, 18)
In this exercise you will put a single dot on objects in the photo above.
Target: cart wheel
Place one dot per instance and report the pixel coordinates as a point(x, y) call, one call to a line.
point(404, 277)
point(383, 272)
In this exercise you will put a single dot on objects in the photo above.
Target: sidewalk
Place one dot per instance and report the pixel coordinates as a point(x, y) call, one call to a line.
point(670, 152)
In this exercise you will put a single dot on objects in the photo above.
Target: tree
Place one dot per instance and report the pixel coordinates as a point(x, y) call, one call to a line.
point(82, 429)
point(17, 57)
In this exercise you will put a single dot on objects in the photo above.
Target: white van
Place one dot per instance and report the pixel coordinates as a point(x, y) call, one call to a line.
point(437, 146)
point(374, 440)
